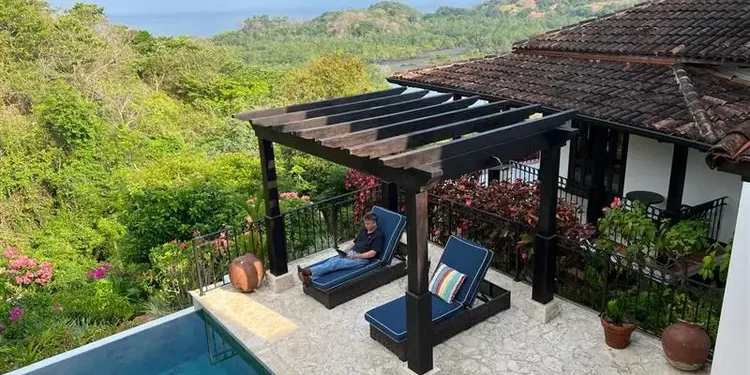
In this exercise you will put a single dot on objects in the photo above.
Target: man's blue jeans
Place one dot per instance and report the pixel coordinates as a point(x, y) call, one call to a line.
point(337, 263)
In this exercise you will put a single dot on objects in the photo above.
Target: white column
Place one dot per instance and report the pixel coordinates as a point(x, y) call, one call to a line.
point(733, 339)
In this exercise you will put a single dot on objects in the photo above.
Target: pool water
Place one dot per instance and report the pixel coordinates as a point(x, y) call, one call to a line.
point(186, 343)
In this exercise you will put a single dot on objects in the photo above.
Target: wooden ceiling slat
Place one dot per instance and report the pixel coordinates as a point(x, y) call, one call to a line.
point(248, 116)
point(390, 130)
point(362, 114)
point(301, 115)
point(344, 128)
point(434, 153)
point(404, 142)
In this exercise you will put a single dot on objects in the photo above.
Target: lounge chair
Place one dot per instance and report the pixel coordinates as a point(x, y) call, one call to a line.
point(341, 286)
point(388, 321)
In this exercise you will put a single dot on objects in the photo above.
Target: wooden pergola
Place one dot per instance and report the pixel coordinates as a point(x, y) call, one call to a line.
point(413, 140)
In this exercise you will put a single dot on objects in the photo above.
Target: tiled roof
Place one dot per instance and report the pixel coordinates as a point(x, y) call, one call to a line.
point(687, 102)
point(707, 30)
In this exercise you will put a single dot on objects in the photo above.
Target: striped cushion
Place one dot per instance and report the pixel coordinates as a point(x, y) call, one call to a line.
point(445, 282)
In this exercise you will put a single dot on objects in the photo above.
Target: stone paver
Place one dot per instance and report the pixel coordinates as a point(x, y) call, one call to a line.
point(310, 339)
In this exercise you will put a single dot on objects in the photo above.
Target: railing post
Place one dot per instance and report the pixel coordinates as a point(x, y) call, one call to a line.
point(274, 221)
point(545, 252)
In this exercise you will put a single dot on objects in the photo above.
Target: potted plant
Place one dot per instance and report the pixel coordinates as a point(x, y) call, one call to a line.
point(618, 324)
point(678, 241)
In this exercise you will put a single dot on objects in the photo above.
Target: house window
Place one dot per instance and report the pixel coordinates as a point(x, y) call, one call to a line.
point(582, 154)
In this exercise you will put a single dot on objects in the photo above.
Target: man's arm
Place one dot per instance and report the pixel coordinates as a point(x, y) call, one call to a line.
point(367, 254)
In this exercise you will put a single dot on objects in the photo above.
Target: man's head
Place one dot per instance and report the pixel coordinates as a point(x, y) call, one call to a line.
point(371, 221)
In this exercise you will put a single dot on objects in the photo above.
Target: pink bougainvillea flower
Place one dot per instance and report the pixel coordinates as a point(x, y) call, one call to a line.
point(15, 314)
point(99, 272)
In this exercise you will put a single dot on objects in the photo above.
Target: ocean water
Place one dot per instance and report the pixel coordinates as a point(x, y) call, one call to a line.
point(206, 18)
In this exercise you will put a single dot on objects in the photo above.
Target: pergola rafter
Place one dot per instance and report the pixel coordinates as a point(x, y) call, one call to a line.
point(413, 140)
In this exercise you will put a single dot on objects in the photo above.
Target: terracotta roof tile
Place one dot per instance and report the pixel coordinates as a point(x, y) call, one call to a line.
point(666, 28)
point(705, 109)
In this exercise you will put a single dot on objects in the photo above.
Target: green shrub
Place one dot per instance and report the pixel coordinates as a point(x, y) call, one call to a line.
point(96, 301)
point(68, 115)
point(172, 263)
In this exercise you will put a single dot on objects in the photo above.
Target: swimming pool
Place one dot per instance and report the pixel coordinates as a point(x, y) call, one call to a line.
point(185, 343)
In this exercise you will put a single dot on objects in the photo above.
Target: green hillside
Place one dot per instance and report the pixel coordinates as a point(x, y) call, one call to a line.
point(391, 30)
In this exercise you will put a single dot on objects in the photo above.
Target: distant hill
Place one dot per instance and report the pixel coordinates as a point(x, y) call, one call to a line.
point(392, 30)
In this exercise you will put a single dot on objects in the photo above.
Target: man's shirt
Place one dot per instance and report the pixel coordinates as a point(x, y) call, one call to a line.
point(368, 241)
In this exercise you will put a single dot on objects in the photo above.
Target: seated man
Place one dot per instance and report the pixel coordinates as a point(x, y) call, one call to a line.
point(368, 243)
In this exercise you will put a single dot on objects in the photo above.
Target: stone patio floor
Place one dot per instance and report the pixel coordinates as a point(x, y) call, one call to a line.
point(294, 335)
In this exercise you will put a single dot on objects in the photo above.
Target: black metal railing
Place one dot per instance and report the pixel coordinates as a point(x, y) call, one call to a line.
point(656, 296)
point(214, 252)
point(568, 190)
point(499, 234)
point(323, 225)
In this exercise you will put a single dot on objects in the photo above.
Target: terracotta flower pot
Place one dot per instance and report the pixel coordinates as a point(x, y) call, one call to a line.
point(686, 345)
point(617, 336)
point(246, 272)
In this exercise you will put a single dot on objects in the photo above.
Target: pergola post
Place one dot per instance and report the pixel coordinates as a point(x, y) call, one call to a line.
point(418, 298)
point(677, 181)
point(597, 190)
point(274, 221)
point(545, 250)
point(389, 196)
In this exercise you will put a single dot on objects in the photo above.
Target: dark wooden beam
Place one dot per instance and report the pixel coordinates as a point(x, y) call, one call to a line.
point(432, 120)
point(418, 299)
point(246, 116)
point(475, 160)
point(324, 122)
point(389, 197)
point(339, 128)
point(677, 180)
point(597, 191)
point(412, 178)
point(545, 248)
point(349, 107)
point(431, 154)
point(274, 221)
point(433, 132)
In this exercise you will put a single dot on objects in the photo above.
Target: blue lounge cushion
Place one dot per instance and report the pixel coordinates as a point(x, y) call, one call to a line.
point(471, 260)
point(392, 225)
point(336, 278)
point(390, 318)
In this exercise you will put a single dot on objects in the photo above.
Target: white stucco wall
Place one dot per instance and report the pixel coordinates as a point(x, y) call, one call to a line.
point(648, 168)
point(564, 160)
point(730, 355)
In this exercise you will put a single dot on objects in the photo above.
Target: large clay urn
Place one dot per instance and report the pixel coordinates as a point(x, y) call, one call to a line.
point(246, 272)
point(686, 345)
